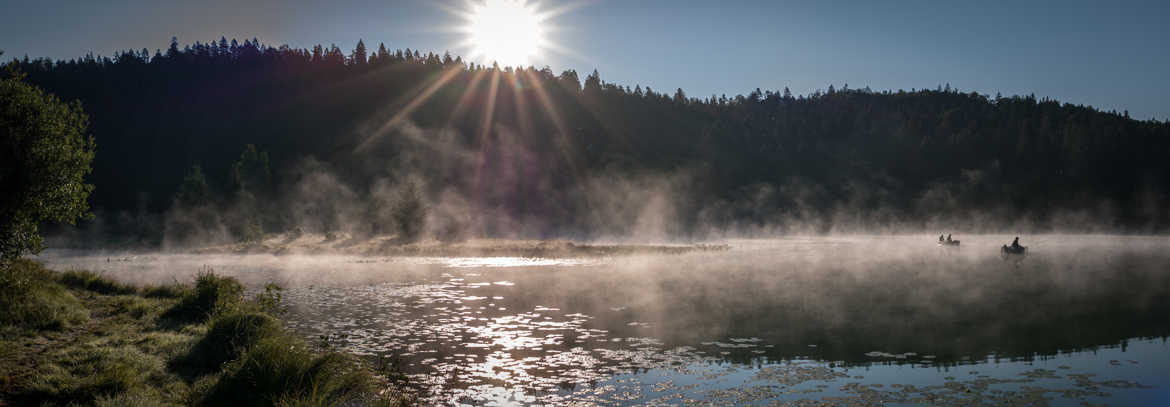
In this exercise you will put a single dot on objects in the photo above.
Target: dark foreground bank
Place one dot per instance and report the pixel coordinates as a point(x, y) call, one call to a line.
point(76, 338)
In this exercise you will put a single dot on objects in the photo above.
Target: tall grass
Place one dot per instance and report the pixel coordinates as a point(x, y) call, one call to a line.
point(31, 298)
point(227, 338)
point(281, 371)
point(213, 294)
point(86, 373)
point(88, 280)
point(226, 351)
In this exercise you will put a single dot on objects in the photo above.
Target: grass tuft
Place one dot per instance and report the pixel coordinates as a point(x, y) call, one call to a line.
point(31, 298)
point(279, 370)
point(226, 339)
point(88, 280)
point(175, 290)
point(85, 374)
point(222, 350)
point(213, 295)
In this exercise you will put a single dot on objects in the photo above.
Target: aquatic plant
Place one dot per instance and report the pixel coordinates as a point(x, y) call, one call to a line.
point(271, 300)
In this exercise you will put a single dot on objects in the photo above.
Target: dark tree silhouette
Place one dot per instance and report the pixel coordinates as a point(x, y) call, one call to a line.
point(887, 156)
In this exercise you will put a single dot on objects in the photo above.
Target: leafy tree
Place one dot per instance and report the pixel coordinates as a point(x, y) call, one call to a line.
point(44, 158)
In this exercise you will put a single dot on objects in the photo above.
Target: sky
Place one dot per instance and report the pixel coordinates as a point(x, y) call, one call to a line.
point(1112, 55)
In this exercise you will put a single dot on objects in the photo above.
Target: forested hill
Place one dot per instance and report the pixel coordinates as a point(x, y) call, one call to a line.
point(535, 153)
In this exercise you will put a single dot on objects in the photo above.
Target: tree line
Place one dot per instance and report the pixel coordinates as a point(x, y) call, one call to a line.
point(522, 144)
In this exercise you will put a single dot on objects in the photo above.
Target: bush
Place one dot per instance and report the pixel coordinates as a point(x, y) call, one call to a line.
point(212, 295)
point(31, 298)
point(279, 370)
point(227, 338)
point(88, 280)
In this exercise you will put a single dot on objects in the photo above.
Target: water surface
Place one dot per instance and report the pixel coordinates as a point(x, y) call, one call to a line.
point(856, 320)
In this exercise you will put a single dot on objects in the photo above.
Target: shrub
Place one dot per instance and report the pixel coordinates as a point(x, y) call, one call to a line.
point(88, 280)
point(31, 298)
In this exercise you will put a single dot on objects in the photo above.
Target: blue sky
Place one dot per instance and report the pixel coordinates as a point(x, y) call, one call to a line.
point(1113, 55)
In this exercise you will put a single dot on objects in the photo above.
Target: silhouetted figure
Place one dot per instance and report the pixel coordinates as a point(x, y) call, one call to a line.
point(940, 238)
point(1014, 248)
point(948, 237)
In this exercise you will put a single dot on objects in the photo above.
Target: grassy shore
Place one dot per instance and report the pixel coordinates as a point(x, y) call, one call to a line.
point(76, 338)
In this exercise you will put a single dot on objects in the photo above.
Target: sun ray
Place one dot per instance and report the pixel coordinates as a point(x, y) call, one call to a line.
point(414, 103)
point(485, 130)
point(465, 99)
point(565, 8)
point(521, 103)
point(460, 12)
point(560, 49)
point(560, 139)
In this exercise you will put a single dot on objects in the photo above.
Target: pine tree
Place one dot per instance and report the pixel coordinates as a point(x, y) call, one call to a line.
point(359, 54)
point(383, 54)
point(173, 49)
point(318, 53)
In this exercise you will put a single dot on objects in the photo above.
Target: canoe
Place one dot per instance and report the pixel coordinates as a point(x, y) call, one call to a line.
point(1008, 250)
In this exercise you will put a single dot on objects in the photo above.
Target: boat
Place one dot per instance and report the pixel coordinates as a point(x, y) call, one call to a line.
point(948, 242)
point(1013, 251)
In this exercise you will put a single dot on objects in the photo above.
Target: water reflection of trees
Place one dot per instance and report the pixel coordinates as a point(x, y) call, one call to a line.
point(953, 310)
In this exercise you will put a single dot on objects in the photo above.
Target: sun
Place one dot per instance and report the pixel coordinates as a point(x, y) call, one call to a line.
point(508, 32)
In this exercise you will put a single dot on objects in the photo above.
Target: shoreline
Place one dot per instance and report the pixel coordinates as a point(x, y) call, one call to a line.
point(79, 338)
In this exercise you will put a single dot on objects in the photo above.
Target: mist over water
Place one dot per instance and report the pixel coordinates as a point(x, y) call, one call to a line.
point(1080, 318)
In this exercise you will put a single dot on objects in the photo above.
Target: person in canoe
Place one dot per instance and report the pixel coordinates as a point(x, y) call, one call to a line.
point(947, 241)
point(1014, 248)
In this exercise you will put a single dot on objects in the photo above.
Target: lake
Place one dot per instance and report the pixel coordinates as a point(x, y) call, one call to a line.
point(826, 320)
